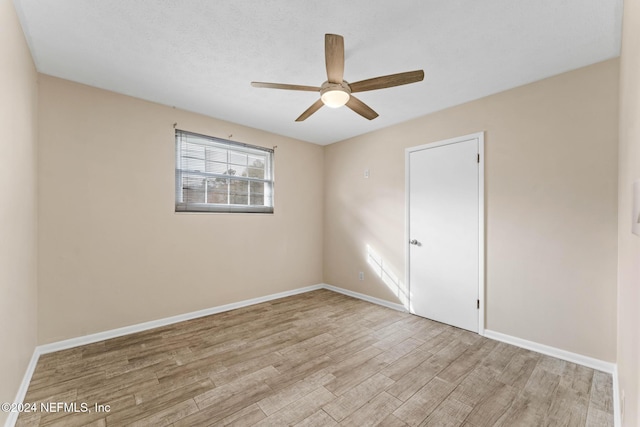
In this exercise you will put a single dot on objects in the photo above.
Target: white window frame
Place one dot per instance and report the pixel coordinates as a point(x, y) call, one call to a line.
point(231, 146)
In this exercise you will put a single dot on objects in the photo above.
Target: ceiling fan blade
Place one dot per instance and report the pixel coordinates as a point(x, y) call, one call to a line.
point(361, 108)
point(387, 81)
point(285, 86)
point(334, 57)
point(309, 111)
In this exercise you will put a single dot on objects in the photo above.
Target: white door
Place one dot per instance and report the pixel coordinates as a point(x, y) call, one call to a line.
point(444, 231)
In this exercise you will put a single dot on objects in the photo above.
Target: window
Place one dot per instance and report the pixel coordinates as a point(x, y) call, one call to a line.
point(216, 175)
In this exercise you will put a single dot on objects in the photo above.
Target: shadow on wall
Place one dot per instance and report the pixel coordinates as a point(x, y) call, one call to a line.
point(389, 278)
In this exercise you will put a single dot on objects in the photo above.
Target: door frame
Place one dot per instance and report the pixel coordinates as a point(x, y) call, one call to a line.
point(481, 226)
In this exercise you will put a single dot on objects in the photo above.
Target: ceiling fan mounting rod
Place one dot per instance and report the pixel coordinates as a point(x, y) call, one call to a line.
point(326, 87)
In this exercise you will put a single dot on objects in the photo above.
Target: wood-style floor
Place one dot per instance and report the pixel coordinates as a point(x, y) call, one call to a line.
point(315, 359)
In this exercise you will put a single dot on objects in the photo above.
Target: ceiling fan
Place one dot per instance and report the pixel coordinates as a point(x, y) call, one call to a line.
point(336, 91)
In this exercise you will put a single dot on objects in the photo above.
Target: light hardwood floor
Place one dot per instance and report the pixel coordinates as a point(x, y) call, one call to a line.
point(315, 359)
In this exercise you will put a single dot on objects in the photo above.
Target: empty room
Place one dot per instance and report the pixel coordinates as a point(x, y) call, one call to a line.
point(234, 213)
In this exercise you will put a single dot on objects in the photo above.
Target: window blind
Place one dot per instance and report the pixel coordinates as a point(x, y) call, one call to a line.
point(217, 175)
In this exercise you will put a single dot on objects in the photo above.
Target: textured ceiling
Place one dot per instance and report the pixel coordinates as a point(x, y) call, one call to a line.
point(201, 55)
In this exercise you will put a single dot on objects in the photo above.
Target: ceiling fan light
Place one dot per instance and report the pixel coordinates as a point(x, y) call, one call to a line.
point(335, 98)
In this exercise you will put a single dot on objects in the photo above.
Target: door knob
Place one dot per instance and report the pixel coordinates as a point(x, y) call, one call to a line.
point(415, 242)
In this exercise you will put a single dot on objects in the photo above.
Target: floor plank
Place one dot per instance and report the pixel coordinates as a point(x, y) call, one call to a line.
point(357, 397)
point(450, 413)
point(300, 409)
point(374, 412)
point(492, 406)
point(318, 419)
point(248, 416)
point(420, 405)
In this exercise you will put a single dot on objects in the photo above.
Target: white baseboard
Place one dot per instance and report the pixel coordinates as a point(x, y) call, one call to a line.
point(617, 417)
point(587, 361)
point(364, 297)
point(24, 385)
point(114, 333)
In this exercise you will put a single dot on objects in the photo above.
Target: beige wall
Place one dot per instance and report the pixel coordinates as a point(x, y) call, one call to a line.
point(551, 189)
point(629, 244)
point(18, 109)
point(113, 253)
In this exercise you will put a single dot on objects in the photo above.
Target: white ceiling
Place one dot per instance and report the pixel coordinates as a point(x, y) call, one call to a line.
point(201, 55)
